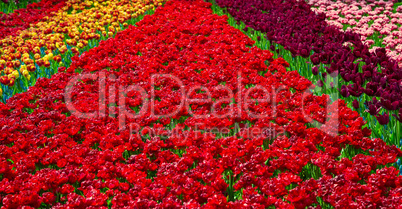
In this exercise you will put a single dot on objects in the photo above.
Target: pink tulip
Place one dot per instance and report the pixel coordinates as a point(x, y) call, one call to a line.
point(383, 17)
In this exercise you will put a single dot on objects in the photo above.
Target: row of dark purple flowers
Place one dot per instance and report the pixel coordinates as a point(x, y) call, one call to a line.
point(293, 25)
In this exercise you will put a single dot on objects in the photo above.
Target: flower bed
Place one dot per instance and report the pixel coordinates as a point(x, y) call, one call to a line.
point(377, 22)
point(52, 156)
point(78, 26)
point(22, 18)
point(370, 80)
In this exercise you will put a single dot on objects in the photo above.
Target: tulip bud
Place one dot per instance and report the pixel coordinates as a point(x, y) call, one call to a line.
point(47, 63)
point(356, 104)
point(320, 83)
point(372, 110)
point(50, 56)
point(314, 70)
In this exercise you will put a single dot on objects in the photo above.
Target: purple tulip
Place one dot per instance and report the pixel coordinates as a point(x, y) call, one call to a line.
point(390, 106)
point(304, 53)
point(356, 104)
point(315, 60)
point(320, 83)
point(356, 53)
point(314, 70)
point(347, 77)
point(344, 91)
point(383, 119)
point(373, 110)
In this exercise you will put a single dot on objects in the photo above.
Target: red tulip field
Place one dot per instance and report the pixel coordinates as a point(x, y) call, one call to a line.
point(200, 104)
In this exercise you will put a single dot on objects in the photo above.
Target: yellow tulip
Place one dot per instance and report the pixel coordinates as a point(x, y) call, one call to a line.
point(50, 56)
point(25, 73)
point(37, 56)
point(23, 68)
point(26, 55)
